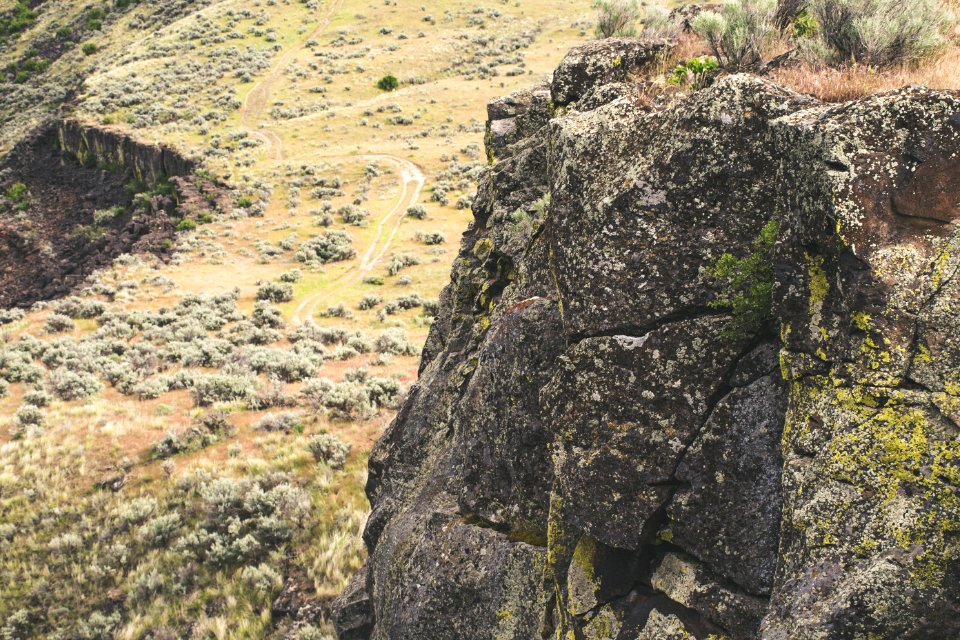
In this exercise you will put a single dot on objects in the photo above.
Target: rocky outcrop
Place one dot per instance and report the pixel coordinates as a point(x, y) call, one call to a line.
point(695, 375)
point(115, 150)
point(90, 196)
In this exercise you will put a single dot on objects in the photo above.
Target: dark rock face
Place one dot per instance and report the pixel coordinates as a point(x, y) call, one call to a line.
point(598, 449)
point(53, 240)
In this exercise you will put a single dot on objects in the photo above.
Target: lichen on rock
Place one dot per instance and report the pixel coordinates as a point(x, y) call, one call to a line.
point(591, 452)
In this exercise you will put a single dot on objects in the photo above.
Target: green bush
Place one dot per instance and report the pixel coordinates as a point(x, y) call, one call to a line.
point(740, 33)
point(617, 18)
point(747, 283)
point(89, 48)
point(17, 194)
point(878, 32)
point(20, 19)
point(388, 83)
point(186, 225)
point(695, 72)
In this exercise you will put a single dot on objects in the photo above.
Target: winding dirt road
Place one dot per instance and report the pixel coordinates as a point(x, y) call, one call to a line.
point(412, 181)
point(251, 111)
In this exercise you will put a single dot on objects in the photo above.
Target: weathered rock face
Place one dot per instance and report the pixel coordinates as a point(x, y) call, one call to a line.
point(53, 240)
point(600, 447)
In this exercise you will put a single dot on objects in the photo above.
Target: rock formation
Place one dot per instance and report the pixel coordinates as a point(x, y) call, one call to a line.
point(52, 241)
point(696, 375)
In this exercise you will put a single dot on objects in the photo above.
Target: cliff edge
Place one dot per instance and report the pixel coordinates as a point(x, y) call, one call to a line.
point(696, 375)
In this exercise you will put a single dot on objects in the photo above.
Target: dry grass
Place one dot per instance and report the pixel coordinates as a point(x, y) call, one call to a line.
point(850, 83)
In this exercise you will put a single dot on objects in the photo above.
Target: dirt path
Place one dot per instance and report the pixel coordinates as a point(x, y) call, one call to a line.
point(412, 181)
point(251, 111)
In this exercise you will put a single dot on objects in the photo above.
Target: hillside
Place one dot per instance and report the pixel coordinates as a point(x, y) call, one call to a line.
point(492, 320)
point(164, 403)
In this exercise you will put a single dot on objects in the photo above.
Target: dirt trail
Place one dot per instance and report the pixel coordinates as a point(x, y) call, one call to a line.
point(412, 181)
point(251, 111)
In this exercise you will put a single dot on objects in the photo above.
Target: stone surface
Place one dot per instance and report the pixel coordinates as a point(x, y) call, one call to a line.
point(599, 448)
point(600, 62)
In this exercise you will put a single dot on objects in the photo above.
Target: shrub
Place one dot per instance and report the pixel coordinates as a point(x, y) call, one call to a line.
point(58, 323)
point(294, 275)
point(394, 343)
point(9, 316)
point(328, 449)
point(73, 385)
point(740, 34)
point(354, 215)
point(204, 431)
point(401, 261)
point(369, 301)
point(29, 414)
point(265, 315)
point(275, 292)
point(186, 225)
point(616, 18)
point(160, 530)
point(432, 238)
point(222, 388)
point(89, 48)
point(37, 397)
point(388, 83)
point(417, 211)
point(695, 72)
point(659, 23)
point(329, 246)
point(285, 422)
point(18, 195)
point(879, 32)
point(747, 283)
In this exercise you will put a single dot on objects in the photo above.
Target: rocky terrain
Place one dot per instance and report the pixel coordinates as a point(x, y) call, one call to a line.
point(695, 375)
point(94, 195)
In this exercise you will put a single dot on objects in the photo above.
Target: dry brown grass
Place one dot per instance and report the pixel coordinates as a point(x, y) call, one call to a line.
point(850, 83)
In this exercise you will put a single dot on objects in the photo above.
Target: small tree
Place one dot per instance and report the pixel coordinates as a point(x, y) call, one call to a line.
point(616, 18)
point(388, 83)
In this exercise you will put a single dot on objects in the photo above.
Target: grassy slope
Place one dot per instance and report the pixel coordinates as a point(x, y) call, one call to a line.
point(62, 573)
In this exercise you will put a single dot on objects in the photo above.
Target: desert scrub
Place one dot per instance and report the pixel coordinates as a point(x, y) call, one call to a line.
point(400, 262)
point(741, 33)
point(205, 431)
point(68, 384)
point(275, 292)
point(417, 211)
point(876, 33)
point(58, 323)
point(329, 246)
point(282, 422)
point(746, 284)
point(328, 449)
point(617, 18)
point(210, 389)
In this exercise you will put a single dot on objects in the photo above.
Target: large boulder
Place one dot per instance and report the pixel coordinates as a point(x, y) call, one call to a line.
point(601, 446)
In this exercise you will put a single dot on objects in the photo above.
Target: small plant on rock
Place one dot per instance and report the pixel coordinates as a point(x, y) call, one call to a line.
point(747, 283)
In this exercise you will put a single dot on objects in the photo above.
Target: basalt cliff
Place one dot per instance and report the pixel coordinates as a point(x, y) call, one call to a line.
point(696, 375)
